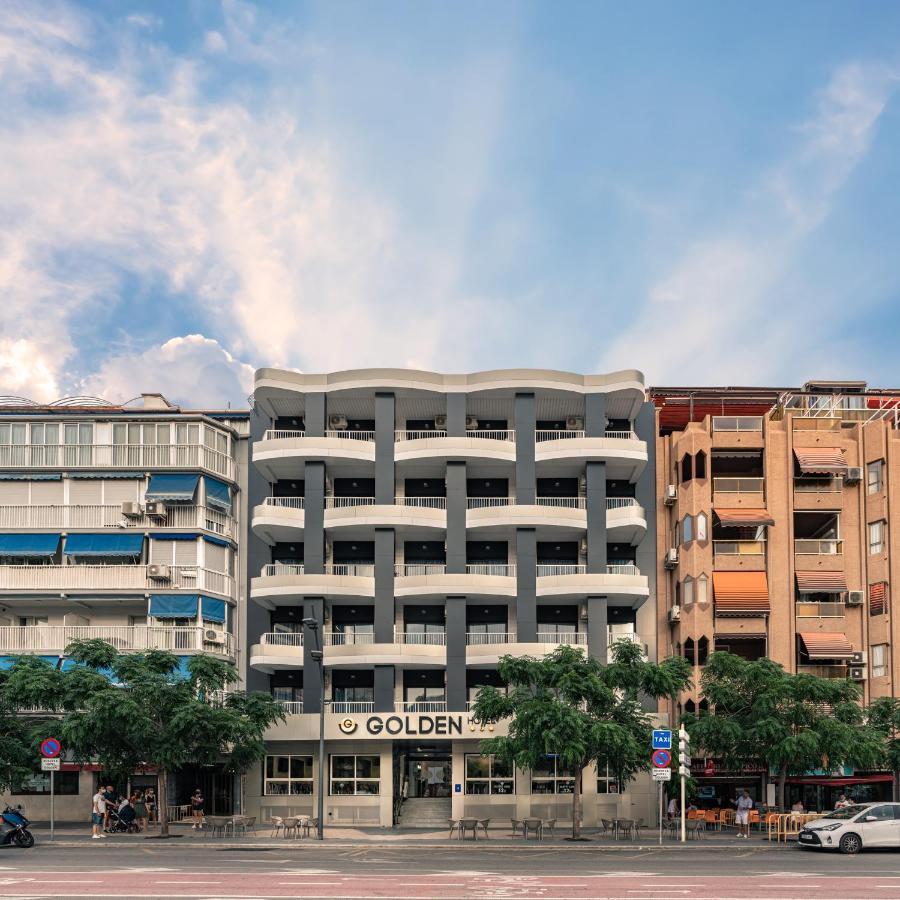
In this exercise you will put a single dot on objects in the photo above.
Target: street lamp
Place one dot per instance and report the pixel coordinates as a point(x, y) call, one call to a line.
point(319, 656)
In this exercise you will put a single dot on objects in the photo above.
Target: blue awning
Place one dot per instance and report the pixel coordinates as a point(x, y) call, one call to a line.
point(102, 474)
point(173, 536)
point(29, 544)
point(177, 486)
point(174, 606)
point(221, 542)
point(212, 610)
point(30, 476)
point(104, 544)
point(6, 662)
point(218, 493)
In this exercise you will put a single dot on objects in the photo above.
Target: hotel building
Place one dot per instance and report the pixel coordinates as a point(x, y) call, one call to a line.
point(427, 525)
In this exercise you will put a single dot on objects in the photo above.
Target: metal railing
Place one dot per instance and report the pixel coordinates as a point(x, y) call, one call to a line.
point(491, 434)
point(280, 434)
point(350, 434)
point(817, 547)
point(105, 456)
point(105, 577)
point(622, 569)
point(728, 485)
point(486, 502)
point(739, 548)
point(360, 570)
point(737, 423)
point(621, 502)
point(413, 570)
point(282, 638)
point(424, 639)
point(501, 570)
point(621, 435)
point(344, 707)
point(562, 502)
point(285, 502)
point(292, 707)
point(348, 638)
point(32, 638)
point(806, 485)
point(348, 502)
point(420, 435)
point(557, 434)
point(420, 706)
point(110, 515)
point(483, 638)
point(577, 639)
point(550, 570)
point(824, 671)
point(422, 502)
point(820, 610)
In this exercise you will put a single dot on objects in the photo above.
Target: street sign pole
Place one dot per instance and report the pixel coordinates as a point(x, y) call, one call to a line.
point(52, 785)
point(683, 830)
point(660, 812)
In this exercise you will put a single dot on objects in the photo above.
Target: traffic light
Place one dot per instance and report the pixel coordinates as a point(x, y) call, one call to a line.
point(684, 752)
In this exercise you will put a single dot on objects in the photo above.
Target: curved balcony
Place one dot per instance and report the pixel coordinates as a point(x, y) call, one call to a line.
point(277, 650)
point(624, 453)
point(407, 649)
point(409, 512)
point(416, 446)
point(433, 580)
point(279, 519)
point(281, 454)
point(281, 583)
point(486, 648)
point(574, 581)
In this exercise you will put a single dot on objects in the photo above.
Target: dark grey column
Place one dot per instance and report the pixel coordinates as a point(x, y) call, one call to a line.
point(314, 608)
point(314, 519)
point(456, 518)
point(526, 585)
point(314, 417)
point(456, 415)
point(594, 415)
point(384, 448)
point(596, 517)
point(384, 585)
point(597, 628)
point(384, 688)
point(645, 493)
point(525, 422)
point(456, 654)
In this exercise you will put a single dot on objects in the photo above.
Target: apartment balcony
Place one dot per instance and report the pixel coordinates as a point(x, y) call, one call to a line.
point(486, 648)
point(624, 453)
point(490, 445)
point(16, 639)
point(730, 491)
point(737, 432)
point(281, 583)
point(282, 454)
point(407, 649)
point(481, 580)
point(621, 580)
point(739, 555)
point(820, 609)
point(277, 650)
point(351, 707)
point(420, 706)
point(41, 579)
point(110, 516)
point(824, 671)
point(818, 493)
point(116, 456)
point(816, 553)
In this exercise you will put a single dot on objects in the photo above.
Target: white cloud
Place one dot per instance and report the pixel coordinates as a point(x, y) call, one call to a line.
point(214, 42)
point(192, 371)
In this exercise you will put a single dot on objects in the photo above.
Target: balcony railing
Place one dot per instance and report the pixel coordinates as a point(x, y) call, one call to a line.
point(361, 570)
point(557, 434)
point(118, 456)
point(739, 548)
point(737, 423)
point(36, 638)
point(422, 502)
point(292, 707)
point(817, 547)
point(414, 570)
point(282, 639)
point(421, 435)
point(500, 570)
point(728, 485)
point(351, 434)
point(622, 569)
point(486, 502)
point(492, 434)
point(420, 706)
point(422, 639)
point(352, 707)
point(818, 485)
point(486, 638)
point(110, 516)
point(285, 502)
point(621, 502)
point(348, 638)
point(820, 610)
point(562, 502)
point(621, 435)
point(38, 578)
point(824, 671)
point(348, 502)
point(578, 638)
point(551, 570)
point(280, 434)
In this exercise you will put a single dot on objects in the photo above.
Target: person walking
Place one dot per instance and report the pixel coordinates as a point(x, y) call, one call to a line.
point(98, 814)
point(140, 810)
point(197, 807)
point(112, 802)
point(150, 801)
point(744, 804)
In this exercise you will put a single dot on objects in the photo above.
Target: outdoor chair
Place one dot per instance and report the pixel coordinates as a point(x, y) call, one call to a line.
point(453, 825)
point(308, 823)
point(550, 824)
point(535, 826)
point(515, 825)
point(626, 826)
point(277, 825)
point(468, 825)
point(291, 825)
point(606, 826)
point(484, 824)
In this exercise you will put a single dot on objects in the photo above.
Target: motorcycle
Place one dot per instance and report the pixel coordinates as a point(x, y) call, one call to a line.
point(14, 828)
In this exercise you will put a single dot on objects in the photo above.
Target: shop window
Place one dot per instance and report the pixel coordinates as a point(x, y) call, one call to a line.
point(879, 660)
point(607, 782)
point(700, 465)
point(39, 784)
point(686, 468)
point(689, 651)
point(875, 476)
point(702, 651)
point(355, 775)
point(876, 537)
point(288, 775)
point(488, 775)
point(552, 777)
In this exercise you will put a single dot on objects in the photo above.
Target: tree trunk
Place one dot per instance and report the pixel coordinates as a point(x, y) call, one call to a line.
point(782, 778)
point(162, 802)
point(576, 806)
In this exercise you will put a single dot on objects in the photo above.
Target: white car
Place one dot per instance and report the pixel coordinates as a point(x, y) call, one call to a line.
point(854, 827)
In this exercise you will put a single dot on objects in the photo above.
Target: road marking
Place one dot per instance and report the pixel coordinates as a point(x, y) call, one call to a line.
point(181, 881)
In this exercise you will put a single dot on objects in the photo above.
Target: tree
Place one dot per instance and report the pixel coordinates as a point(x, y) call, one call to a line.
point(762, 716)
point(16, 742)
point(571, 706)
point(883, 715)
point(129, 711)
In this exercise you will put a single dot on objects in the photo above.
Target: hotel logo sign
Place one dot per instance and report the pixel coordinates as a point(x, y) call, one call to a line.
point(411, 725)
point(347, 725)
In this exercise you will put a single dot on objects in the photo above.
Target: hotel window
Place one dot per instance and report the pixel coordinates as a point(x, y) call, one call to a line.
point(876, 537)
point(355, 775)
point(488, 775)
point(874, 476)
point(607, 782)
point(288, 775)
point(879, 660)
point(552, 777)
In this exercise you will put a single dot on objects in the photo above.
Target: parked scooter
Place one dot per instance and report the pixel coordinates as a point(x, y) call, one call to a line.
point(14, 828)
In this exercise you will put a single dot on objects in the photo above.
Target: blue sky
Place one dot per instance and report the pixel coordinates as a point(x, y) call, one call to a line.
point(190, 190)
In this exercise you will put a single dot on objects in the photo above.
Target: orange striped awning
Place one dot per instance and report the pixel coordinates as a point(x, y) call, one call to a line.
point(826, 644)
point(877, 595)
point(736, 518)
point(741, 593)
point(821, 582)
point(821, 460)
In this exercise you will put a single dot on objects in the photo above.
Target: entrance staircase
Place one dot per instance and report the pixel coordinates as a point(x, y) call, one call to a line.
point(425, 812)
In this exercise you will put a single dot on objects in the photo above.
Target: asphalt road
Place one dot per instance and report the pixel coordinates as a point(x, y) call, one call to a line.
point(433, 873)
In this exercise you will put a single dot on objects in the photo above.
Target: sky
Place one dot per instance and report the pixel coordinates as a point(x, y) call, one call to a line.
point(191, 190)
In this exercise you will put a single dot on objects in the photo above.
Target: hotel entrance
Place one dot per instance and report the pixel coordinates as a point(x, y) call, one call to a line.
point(426, 771)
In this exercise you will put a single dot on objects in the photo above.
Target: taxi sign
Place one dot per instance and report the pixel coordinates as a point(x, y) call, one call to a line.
point(661, 758)
point(50, 747)
point(662, 739)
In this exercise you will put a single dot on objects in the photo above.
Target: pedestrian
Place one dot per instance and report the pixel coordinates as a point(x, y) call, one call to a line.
point(744, 804)
point(150, 801)
point(112, 801)
point(672, 809)
point(140, 810)
point(197, 804)
point(843, 802)
point(98, 814)
point(798, 807)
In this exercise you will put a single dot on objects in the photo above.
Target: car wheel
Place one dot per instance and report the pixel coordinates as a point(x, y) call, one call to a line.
point(850, 843)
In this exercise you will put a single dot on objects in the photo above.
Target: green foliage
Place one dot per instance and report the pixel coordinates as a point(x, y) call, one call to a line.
point(883, 715)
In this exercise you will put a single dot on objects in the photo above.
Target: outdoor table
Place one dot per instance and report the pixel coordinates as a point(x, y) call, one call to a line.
point(533, 825)
point(465, 825)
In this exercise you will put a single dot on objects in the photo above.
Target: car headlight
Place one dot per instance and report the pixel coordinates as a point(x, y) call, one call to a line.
point(833, 827)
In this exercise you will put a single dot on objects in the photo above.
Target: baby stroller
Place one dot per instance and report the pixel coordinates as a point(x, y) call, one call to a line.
point(123, 821)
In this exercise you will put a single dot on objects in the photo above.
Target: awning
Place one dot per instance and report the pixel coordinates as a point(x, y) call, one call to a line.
point(29, 544)
point(741, 593)
point(104, 544)
point(177, 486)
point(826, 644)
point(173, 536)
point(821, 460)
point(6, 662)
point(737, 518)
point(104, 475)
point(221, 542)
point(218, 494)
point(821, 582)
point(740, 636)
point(174, 606)
point(212, 610)
point(877, 595)
point(30, 476)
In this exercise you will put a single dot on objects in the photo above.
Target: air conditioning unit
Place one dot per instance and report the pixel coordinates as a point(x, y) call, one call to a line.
point(856, 598)
point(671, 557)
point(132, 510)
point(854, 475)
point(337, 423)
point(440, 423)
point(159, 572)
point(574, 423)
point(471, 423)
point(156, 509)
point(859, 658)
point(671, 494)
point(213, 636)
point(675, 614)
point(858, 673)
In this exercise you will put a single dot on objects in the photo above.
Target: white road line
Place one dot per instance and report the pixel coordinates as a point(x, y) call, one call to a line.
point(182, 881)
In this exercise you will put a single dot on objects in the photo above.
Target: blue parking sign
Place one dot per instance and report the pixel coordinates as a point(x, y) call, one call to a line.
point(662, 739)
